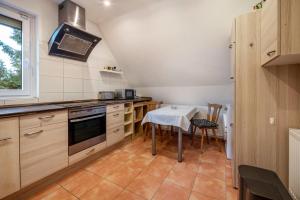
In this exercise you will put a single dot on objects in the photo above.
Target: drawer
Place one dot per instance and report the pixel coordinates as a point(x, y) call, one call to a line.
point(114, 108)
point(43, 151)
point(43, 119)
point(86, 153)
point(9, 156)
point(115, 135)
point(114, 119)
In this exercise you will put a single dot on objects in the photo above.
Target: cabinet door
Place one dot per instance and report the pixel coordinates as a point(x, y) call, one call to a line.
point(43, 151)
point(270, 31)
point(115, 135)
point(9, 156)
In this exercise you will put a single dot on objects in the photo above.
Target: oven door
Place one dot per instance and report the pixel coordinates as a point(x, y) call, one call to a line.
point(86, 132)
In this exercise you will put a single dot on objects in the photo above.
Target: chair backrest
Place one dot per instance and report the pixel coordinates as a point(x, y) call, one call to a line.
point(214, 112)
point(152, 105)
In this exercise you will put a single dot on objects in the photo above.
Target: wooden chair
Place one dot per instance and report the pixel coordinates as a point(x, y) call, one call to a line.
point(210, 123)
point(153, 105)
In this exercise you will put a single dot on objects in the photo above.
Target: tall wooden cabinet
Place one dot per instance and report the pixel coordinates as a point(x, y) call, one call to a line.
point(267, 102)
point(9, 156)
point(280, 32)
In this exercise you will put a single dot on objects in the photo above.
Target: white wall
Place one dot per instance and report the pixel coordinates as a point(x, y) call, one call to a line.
point(63, 79)
point(197, 95)
point(177, 51)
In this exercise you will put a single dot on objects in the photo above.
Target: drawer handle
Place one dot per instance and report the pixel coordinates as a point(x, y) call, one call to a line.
point(116, 115)
point(91, 151)
point(47, 117)
point(117, 130)
point(271, 53)
point(34, 133)
point(5, 139)
point(116, 107)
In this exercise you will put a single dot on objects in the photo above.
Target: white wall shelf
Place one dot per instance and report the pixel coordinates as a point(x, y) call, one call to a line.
point(111, 71)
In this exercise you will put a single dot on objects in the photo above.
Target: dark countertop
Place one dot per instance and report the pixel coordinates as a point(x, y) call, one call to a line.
point(18, 110)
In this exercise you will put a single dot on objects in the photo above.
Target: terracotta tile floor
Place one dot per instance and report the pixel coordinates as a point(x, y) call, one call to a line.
point(132, 173)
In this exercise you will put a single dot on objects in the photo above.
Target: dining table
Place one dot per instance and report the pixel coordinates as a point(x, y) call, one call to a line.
point(173, 115)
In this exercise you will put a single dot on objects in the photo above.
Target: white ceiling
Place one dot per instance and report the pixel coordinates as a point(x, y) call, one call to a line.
point(97, 12)
point(169, 42)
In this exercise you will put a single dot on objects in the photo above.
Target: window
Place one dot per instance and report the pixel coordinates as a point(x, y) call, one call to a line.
point(17, 53)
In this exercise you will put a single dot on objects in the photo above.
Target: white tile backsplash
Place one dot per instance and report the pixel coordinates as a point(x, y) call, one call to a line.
point(73, 71)
point(73, 85)
point(21, 101)
point(51, 97)
point(90, 86)
point(92, 95)
point(51, 67)
point(51, 84)
point(91, 73)
point(73, 96)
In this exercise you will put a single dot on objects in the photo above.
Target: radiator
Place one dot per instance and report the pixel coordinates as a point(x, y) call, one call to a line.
point(294, 163)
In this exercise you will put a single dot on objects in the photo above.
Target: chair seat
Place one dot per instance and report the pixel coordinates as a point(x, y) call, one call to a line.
point(204, 123)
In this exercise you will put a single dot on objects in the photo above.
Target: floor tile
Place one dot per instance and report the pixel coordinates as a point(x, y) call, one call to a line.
point(158, 169)
point(145, 185)
point(139, 163)
point(104, 190)
point(104, 168)
point(121, 156)
point(127, 195)
point(186, 166)
point(169, 190)
point(211, 187)
point(79, 183)
point(124, 176)
point(183, 178)
point(212, 170)
point(199, 196)
point(45, 192)
point(59, 193)
point(231, 193)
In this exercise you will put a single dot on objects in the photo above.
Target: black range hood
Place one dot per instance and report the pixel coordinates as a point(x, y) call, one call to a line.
point(70, 40)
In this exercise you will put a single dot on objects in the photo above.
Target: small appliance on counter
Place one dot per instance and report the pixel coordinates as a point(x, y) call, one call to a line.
point(106, 95)
point(125, 94)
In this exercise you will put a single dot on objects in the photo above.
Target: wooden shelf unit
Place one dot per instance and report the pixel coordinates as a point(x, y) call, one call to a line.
point(128, 118)
point(140, 110)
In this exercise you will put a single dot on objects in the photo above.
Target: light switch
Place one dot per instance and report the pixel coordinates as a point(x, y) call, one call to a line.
point(272, 120)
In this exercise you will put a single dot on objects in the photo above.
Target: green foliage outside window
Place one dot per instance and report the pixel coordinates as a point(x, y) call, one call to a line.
point(11, 77)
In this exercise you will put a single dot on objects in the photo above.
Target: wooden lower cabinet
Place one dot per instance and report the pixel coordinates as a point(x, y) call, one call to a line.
point(9, 156)
point(115, 135)
point(86, 153)
point(43, 151)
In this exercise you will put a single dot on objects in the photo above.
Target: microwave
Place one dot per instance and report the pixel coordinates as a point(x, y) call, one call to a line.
point(125, 94)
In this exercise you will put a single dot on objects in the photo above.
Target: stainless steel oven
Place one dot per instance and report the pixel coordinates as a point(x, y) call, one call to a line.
point(87, 127)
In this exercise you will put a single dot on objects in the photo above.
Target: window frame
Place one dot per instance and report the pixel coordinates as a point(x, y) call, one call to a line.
point(29, 55)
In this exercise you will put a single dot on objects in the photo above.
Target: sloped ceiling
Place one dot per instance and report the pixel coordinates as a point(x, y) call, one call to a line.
point(169, 42)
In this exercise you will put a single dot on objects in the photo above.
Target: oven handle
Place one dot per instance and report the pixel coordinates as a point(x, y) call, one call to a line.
point(86, 118)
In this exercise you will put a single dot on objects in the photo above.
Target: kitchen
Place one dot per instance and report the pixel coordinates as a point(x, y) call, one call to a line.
point(110, 99)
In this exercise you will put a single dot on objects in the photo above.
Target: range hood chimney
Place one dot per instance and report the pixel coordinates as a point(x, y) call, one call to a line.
point(70, 40)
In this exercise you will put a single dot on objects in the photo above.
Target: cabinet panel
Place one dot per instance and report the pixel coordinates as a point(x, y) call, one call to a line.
point(86, 153)
point(42, 119)
point(114, 108)
point(270, 31)
point(43, 151)
point(114, 119)
point(9, 156)
point(115, 135)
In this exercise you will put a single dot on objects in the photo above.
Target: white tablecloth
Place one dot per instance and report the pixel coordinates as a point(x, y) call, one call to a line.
point(178, 116)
